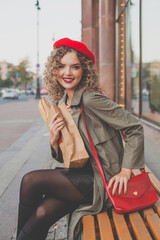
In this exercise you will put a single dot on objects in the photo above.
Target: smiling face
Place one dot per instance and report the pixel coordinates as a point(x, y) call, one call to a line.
point(69, 72)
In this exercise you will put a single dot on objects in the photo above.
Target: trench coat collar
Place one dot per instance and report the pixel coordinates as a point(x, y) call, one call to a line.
point(76, 99)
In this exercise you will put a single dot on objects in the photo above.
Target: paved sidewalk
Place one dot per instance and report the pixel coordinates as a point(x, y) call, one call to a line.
point(29, 150)
point(38, 156)
point(15, 119)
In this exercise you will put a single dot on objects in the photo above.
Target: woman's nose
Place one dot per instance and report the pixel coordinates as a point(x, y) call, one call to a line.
point(67, 71)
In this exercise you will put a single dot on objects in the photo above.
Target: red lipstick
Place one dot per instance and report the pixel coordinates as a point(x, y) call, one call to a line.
point(68, 80)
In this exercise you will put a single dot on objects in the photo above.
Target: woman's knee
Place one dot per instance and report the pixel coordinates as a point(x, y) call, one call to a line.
point(28, 181)
point(42, 213)
point(30, 190)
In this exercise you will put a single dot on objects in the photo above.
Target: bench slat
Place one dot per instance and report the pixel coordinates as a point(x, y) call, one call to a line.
point(154, 180)
point(157, 207)
point(148, 211)
point(139, 227)
point(153, 222)
point(89, 228)
point(105, 228)
point(121, 226)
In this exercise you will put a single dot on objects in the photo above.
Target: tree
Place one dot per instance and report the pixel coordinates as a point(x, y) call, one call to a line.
point(24, 74)
point(6, 83)
point(12, 70)
point(19, 74)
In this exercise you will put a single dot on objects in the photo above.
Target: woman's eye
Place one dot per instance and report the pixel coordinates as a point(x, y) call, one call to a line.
point(60, 66)
point(76, 67)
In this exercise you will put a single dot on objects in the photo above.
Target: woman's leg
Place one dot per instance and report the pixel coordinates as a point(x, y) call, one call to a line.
point(52, 196)
point(24, 213)
point(49, 212)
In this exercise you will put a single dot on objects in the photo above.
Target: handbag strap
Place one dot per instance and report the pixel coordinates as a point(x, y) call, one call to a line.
point(94, 150)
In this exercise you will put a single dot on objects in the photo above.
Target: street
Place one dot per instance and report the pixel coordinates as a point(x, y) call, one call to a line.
point(20, 122)
point(22, 97)
point(16, 117)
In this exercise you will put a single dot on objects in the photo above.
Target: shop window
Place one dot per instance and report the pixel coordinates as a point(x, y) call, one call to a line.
point(138, 57)
point(151, 61)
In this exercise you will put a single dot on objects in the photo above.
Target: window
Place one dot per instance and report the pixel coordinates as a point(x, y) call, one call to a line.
point(151, 60)
point(138, 57)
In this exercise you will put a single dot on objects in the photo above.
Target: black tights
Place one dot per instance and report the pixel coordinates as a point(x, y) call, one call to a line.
point(47, 196)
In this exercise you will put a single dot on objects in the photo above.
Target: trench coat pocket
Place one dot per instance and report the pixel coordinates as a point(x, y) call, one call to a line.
point(111, 154)
point(103, 134)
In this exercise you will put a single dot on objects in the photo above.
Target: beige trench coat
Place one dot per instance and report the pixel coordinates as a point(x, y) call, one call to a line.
point(105, 119)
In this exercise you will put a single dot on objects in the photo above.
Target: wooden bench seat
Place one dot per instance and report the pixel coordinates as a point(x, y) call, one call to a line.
point(141, 225)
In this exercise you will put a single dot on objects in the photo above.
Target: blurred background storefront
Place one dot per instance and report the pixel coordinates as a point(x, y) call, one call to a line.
point(125, 37)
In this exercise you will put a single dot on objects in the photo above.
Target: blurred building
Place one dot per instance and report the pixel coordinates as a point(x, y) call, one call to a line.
point(125, 37)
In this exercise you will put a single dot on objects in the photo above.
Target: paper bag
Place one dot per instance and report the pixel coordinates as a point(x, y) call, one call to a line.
point(71, 143)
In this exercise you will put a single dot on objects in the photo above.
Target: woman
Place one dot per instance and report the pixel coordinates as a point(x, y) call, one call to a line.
point(48, 195)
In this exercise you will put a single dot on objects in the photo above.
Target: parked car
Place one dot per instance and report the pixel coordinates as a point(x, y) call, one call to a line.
point(10, 93)
point(17, 90)
point(30, 91)
point(22, 91)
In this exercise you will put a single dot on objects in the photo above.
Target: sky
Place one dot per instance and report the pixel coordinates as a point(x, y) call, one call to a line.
point(58, 19)
point(18, 28)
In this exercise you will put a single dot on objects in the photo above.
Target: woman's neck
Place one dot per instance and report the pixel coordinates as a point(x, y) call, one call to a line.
point(69, 100)
point(70, 95)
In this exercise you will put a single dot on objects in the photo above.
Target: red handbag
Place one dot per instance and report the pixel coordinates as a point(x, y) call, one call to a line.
point(140, 192)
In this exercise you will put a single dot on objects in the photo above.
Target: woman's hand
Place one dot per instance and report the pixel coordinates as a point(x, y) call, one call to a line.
point(120, 179)
point(55, 127)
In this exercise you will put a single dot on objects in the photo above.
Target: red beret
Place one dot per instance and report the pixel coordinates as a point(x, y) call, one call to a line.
point(79, 46)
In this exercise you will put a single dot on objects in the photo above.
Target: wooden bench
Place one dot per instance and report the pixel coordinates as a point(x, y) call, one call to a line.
point(141, 225)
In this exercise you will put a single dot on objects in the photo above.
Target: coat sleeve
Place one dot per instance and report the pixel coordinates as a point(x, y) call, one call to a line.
point(121, 120)
point(57, 156)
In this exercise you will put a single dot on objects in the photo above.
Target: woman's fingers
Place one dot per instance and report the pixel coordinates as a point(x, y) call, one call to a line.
point(125, 185)
point(111, 182)
point(55, 126)
point(120, 186)
point(59, 127)
point(54, 118)
point(115, 186)
point(56, 123)
point(118, 182)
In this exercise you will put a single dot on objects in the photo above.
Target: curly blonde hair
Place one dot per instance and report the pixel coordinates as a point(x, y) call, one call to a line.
point(55, 90)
